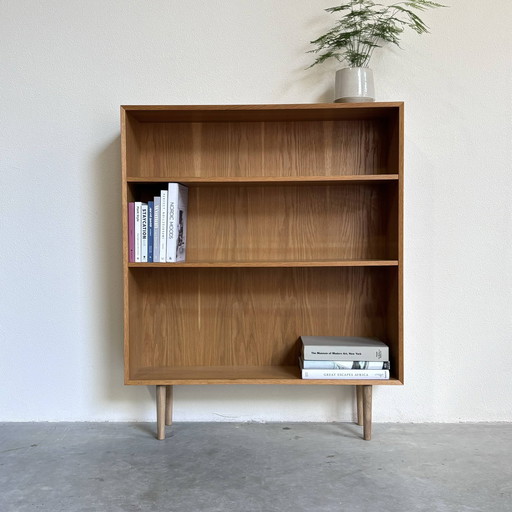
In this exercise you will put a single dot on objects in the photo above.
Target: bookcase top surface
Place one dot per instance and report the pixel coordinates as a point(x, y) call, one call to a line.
point(263, 112)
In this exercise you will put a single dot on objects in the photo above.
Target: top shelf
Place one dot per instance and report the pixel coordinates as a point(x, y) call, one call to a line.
point(325, 143)
point(258, 113)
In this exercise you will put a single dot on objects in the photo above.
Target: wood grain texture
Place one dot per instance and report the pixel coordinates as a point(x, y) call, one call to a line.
point(249, 317)
point(399, 291)
point(254, 113)
point(269, 264)
point(359, 405)
point(169, 392)
point(266, 180)
point(295, 227)
point(367, 412)
point(128, 155)
point(298, 148)
point(225, 375)
point(289, 222)
point(160, 412)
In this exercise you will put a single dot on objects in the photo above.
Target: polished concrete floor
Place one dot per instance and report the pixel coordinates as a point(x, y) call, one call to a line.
point(255, 467)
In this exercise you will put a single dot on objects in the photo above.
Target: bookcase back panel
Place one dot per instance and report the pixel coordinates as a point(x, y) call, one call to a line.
point(289, 223)
point(250, 316)
point(292, 148)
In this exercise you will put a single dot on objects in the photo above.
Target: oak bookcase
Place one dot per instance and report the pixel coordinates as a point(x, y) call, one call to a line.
point(294, 228)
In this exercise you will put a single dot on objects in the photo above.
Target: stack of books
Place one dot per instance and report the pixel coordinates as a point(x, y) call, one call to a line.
point(157, 230)
point(344, 357)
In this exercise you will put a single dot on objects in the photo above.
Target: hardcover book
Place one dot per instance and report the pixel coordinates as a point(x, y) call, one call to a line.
point(344, 365)
point(138, 231)
point(151, 216)
point(163, 226)
point(144, 233)
point(177, 202)
point(343, 348)
point(345, 374)
point(131, 232)
point(156, 229)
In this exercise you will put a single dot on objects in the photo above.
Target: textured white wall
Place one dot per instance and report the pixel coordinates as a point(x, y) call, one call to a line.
point(65, 68)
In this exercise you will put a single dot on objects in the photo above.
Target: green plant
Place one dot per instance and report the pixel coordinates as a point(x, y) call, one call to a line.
point(364, 26)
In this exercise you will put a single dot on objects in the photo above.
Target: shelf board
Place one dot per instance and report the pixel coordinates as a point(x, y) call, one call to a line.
point(267, 180)
point(269, 264)
point(261, 113)
point(238, 375)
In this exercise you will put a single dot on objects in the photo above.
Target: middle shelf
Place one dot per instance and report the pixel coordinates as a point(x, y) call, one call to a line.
point(286, 225)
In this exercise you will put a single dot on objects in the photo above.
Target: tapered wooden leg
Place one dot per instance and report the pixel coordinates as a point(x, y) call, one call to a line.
point(168, 405)
point(359, 401)
point(160, 412)
point(367, 412)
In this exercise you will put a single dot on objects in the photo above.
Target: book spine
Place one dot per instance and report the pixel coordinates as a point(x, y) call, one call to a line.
point(156, 229)
point(131, 232)
point(138, 247)
point(345, 365)
point(163, 226)
point(327, 353)
point(172, 206)
point(176, 222)
point(346, 374)
point(144, 233)
point(181, 225)
point(151, 223)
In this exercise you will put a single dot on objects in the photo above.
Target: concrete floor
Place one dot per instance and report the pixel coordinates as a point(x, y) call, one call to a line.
point(255, 467)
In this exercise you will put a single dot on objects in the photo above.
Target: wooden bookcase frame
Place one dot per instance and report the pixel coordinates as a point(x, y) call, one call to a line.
point(294, 228)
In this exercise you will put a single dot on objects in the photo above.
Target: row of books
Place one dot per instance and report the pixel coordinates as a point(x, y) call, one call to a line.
point(157, 230)
point(344, 357)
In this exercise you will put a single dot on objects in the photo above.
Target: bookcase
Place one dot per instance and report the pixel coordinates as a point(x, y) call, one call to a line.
point(294, 228)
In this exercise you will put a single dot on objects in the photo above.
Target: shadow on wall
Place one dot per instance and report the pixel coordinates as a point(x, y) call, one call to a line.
point(106, 170)
point(319, 80)
point(311, 85)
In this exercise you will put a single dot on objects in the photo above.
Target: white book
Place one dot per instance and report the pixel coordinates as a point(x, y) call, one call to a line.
point(156, 229)
point(177, 203)
point(163, 226)
point(343, 348)
point(346, 374)
point(144, 233)
point(138, 231)
point(343, 365)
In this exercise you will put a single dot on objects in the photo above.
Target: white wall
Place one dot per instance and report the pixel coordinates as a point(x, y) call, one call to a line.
point(65, 68)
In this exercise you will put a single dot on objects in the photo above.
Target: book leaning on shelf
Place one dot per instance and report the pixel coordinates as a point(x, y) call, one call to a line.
point(157, 230)
point(162, 236)
point(344, 357)
point(176, 222)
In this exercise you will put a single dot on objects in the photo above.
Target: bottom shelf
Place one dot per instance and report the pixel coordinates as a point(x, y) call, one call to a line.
point(236, 375)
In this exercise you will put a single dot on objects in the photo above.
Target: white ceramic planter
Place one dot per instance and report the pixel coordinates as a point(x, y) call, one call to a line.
point(354, 85)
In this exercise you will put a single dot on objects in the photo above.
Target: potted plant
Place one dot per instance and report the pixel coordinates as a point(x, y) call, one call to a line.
point(363, 26)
